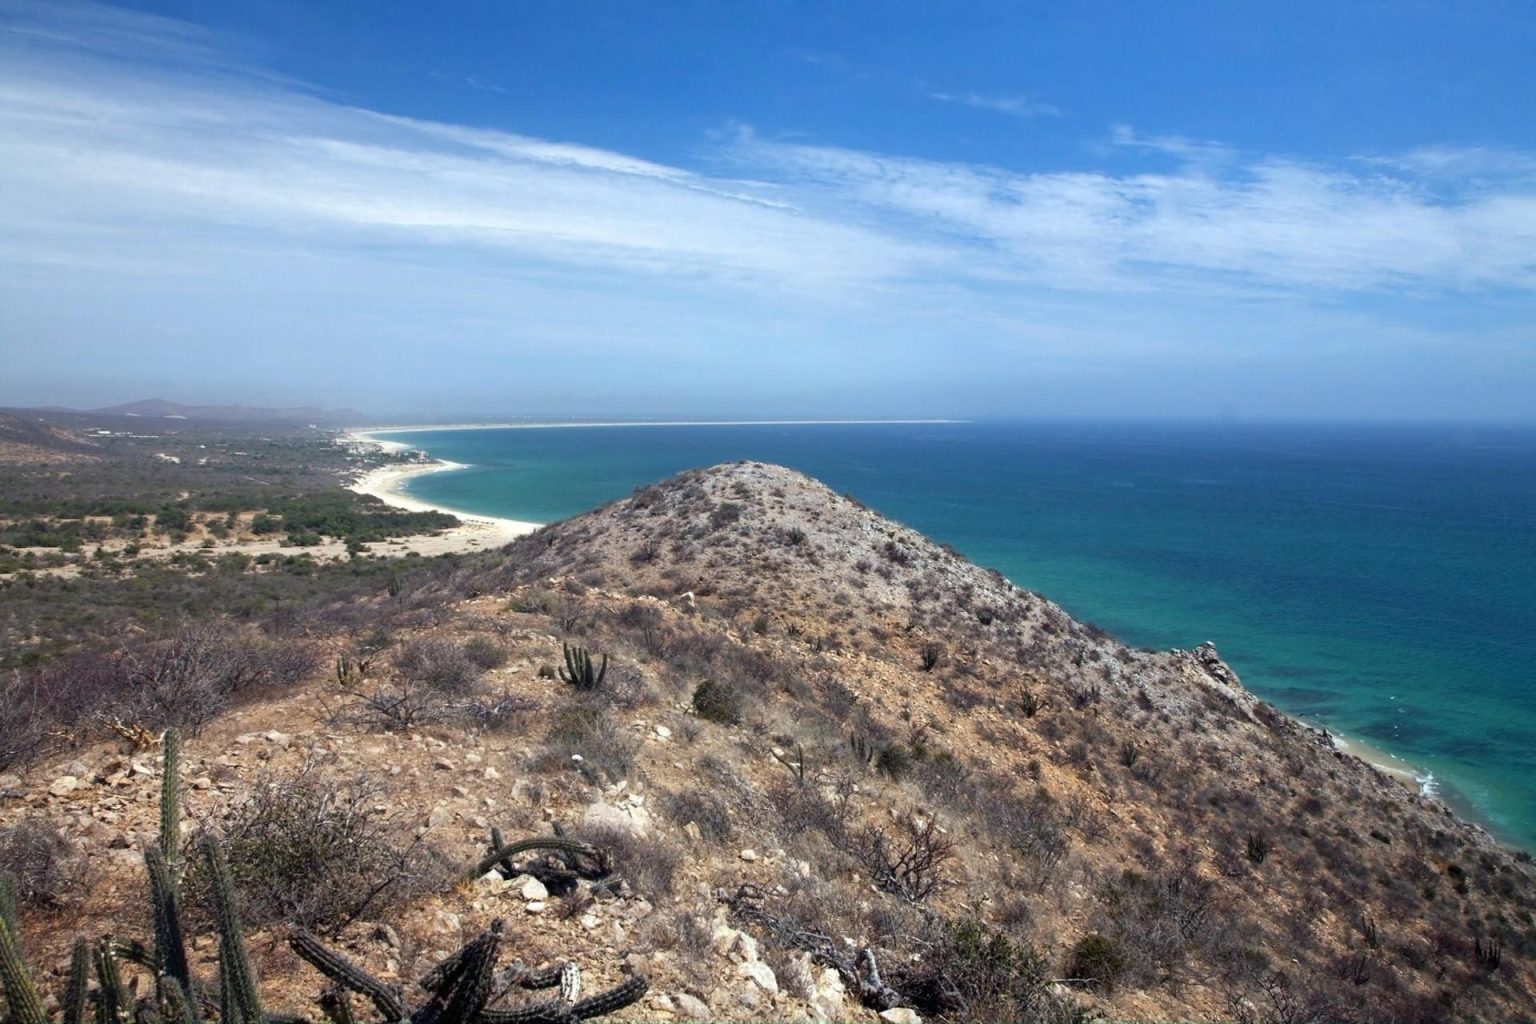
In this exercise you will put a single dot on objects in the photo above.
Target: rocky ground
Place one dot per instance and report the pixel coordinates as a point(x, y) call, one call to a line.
point(819, 733)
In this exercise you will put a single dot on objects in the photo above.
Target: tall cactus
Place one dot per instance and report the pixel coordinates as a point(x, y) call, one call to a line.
point(20, 994)
point(114, 1003)
point(170, 799)
point(76, 995)
point(240, 1002)
point(170, 944)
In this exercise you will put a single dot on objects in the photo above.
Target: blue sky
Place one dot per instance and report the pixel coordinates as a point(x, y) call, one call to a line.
point(1160, 209)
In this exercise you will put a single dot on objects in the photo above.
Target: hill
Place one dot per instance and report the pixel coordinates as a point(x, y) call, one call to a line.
point(158, 408)
point(24, 440)
point(843, 771)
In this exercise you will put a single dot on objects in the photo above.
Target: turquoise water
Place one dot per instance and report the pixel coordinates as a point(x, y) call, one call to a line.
point(1379, 581)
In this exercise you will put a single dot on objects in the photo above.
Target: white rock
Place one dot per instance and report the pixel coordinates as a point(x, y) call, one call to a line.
point(282, 739)
point(827, 1002)
point(589, 921)
point(535, 906)
point(663, 733)
point(64, 785)
point(748, 855)
point(760, 973)
point(533, 889)
point(900, 1015)
point(691, 1007)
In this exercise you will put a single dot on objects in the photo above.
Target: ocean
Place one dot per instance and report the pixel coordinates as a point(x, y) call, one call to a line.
point(1379, 581)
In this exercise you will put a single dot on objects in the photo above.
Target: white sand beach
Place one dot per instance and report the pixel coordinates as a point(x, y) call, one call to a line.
point(387, 483)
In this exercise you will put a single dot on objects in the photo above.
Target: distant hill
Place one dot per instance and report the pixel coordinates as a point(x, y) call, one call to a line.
point(161, 409)
point(24, 440)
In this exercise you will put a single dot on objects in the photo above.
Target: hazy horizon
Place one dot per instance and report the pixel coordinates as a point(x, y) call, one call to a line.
point(1173, 211)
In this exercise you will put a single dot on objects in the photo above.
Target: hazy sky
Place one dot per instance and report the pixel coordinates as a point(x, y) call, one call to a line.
point(772, 208)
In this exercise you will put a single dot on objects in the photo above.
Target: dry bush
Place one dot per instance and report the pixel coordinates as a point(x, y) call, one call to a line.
point(312, 850)
point(907, 864)
point(586, 729)
point(484, 653)
point(702, 808)
point(648, 865)
point(439, 663)
point(41, 860)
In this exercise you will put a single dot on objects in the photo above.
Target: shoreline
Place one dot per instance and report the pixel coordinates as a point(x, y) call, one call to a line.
point(368, 434)
point(1421, 782)
point(388, 484)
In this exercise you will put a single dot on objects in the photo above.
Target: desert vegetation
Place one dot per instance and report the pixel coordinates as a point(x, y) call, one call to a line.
point(795, 760)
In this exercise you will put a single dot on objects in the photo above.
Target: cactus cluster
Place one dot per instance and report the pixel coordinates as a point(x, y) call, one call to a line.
point(461, 987)
point(579, 670)
point(460, 990)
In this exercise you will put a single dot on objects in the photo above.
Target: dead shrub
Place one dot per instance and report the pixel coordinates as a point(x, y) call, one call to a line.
point(583, 734)
point(41, 860)
point(648, 865)
point(312, 850)
point(704, 809)
point(485, 653)
point(439, 663)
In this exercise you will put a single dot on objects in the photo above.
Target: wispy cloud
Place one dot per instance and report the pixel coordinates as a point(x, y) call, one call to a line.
point(155, 194)
point(1013, 106)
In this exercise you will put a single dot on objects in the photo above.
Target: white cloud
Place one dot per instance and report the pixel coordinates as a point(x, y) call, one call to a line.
point(1013, 106)
point(151, 190)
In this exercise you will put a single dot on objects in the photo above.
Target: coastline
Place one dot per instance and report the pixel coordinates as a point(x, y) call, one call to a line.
point(388, 484)
point(368, 435)
point(1421, 782)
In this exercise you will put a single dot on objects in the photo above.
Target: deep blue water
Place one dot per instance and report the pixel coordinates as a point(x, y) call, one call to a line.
point(1378, 580)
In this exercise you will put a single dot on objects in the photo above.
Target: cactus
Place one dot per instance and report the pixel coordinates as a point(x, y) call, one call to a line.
point(20, 994)
point(578, 669)
point(175, 1006)
point(240, 1002)
point(510, 850)
point(473, 985)
point(9, 887)
point(347, 975)
point(170, 799)
point(76, 995)
point(114, 1003)
point(865, 751)
point(170, 946)
point(460, 986)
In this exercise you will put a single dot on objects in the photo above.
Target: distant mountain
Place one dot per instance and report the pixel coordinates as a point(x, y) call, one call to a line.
point(23, 440)
point(161, 409)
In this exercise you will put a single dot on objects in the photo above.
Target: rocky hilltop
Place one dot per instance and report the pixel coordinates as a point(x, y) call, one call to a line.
point(840, 772)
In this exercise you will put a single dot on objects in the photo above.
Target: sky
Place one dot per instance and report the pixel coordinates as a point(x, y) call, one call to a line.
point(843, 209)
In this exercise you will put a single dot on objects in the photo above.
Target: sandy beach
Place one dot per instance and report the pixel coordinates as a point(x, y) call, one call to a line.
point(1402, 771)
point(387, 483)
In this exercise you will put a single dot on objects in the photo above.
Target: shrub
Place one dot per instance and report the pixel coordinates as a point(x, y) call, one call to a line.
point(1096, 961)
point(648, 865)
point(718, 702)
point(441, 664)
point(705, 810)
point(894, 761)
point(313, 851)
point(585, 728)
point(996, 977)
point(485, 653)
point(41, 860)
